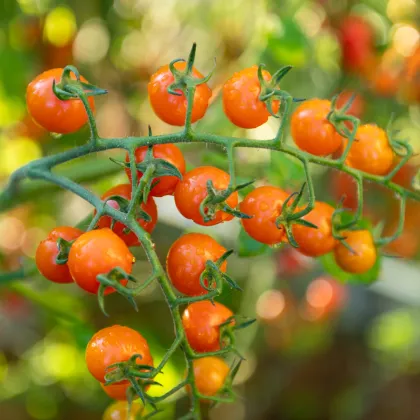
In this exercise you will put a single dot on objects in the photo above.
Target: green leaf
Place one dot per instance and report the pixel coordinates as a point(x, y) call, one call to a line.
point(249, 247)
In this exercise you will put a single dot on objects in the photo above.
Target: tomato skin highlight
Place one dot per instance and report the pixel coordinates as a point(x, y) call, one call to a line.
point(98, 252)
point(112, 345)
point(311, 130)
point(171, 154)
point(364, 256)
point(264, 204)
point(50, 112)
point(47, 252)
point(210, 375)
point(192, 190)
point(124, 190)
point(187, 259)
point(201, 321)
point(316, 242)
point(370, 151)
point(118, 411)
point(241, 102)
point(172, 109)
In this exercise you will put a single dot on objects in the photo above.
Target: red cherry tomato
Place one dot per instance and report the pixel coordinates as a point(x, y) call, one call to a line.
point(241, 101)
point(124, 191)
point(210, 375)
point(50, 112)
point(172, 109)
point(47, 252)
point(171, 154)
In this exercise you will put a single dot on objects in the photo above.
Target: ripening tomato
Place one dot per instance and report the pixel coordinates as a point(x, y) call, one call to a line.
point(201, 321)
point(311, 130)
point(241, 101)
point(357, 40)
point(370, 151)
point(405, 174)
point(264, 204)
point(210, 374)
point(47, 252)
point(124, 191)
point(364, 256)
point(113, 345)
point(192, 190)
point(187, 259)
point(117, 391)
point(344, 188)
point(172, 109)
point(119, 411)
point(98, 252)
point(357, 107)
point(168, 152)
point(316, 242)
point(50, 112)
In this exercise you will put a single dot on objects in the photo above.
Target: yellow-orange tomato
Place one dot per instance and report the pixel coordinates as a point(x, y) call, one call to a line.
point(370, 151)
point(172, 109)
point(119, 411)
point(192, 190)
point(168, 152)
point(187, 259)
point(241, 101)
point(311, 130)
point(264, 204)
point(210, 375)
point(124, 191)
point(112, 345)
point(362, 258)
point(201, 321)
point(50, 112)
point(47, 252)
point(316, 242)
point(98, 252)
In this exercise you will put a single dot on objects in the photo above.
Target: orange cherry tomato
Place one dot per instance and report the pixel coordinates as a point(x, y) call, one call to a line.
point(357, 107)
point(316, 242)
point(364, 256)
point(116, 391)
point(192, 190)
point(50, 112)
point(124, 191)
point(210, 374)
point(370, 151)
point(187, 259)
point(172, 109)
point(98, 252)
point(47, 252)
point(311, 130)
point(113, 345)
point(264, 204)
point(241, 101)
point(201, 321)
point(119, 411)
point(171, 154)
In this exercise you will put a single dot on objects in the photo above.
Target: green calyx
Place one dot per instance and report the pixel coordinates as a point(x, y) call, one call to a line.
point(184, 78)
point(63, 251)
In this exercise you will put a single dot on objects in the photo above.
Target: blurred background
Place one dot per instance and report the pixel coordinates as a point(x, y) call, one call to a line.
point(325, 347)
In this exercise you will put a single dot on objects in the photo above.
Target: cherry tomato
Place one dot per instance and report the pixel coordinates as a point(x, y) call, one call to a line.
point(357, 43)
point(201, 321)
point(124, 190)
point(119, 411)
point(357, 107)
point(364, 256)
point(411, 77)
point(171, 154)
point(47, 252)
point(405, 174)
point(98, 252)
point(210, 375)
point(344, 187)
point(113, 345)
point(264, 204)
point(187, 259)
point(117, 391)
point(172, 109)
point(241, 101)
point(316, 242)
point(192, 190)
point(311, 130)
point(370, 151)
point(50, 112)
